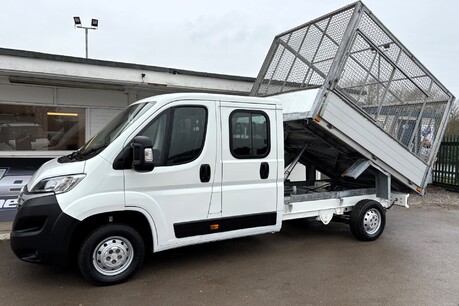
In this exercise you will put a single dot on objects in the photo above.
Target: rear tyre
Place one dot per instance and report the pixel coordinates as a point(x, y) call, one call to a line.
point(367, 220)
point(111, 254)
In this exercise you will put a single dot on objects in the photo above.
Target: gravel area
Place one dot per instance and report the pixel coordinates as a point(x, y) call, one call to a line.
point(435, 196)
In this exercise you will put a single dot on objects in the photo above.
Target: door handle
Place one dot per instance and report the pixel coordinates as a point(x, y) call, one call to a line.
point(264, 170)
point(204, 173)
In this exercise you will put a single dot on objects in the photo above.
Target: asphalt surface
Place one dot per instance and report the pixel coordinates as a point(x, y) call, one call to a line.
point(415, 262)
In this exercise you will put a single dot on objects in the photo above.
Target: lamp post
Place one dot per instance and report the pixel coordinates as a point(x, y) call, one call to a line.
point(94, 26)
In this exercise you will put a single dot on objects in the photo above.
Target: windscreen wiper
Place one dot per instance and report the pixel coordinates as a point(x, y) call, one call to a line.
point(89, 152)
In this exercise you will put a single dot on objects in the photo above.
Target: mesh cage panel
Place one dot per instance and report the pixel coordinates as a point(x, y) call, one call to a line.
point(429, 128)
point(282, 72)
point(375, 74)
point(312, 43)
point(381, 78)
point(303, 56)
point(297, 39)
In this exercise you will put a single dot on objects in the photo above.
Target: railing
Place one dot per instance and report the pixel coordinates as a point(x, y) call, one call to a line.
point(446, 169)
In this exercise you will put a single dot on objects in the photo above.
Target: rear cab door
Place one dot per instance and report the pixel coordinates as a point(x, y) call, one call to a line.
point(249, 161)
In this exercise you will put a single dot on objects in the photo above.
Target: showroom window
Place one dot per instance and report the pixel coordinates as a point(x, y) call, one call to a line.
point(41, 128)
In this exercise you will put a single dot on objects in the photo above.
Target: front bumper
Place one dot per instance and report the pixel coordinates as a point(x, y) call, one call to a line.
point(41, 231)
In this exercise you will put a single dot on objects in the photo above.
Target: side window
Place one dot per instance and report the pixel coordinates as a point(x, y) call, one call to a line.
point(187, 134)
point(156, 131)
point(178, 135)
point(249, 134)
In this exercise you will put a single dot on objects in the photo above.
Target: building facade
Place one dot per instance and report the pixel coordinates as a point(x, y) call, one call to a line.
point(50, 105)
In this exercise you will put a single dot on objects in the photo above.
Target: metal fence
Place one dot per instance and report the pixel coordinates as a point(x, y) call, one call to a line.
point(446, 169)
point(351, 53)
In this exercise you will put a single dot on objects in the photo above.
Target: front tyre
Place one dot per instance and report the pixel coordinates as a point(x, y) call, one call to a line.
point(367, 220)
point(111, 254)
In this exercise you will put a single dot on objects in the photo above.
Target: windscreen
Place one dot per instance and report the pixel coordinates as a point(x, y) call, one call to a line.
point(111, 131)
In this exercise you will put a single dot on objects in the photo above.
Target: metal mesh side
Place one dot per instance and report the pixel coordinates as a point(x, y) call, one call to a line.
point(303, 56)
point(376, 74)
point(382, 78)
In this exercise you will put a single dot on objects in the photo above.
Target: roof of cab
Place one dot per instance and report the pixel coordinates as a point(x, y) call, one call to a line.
point(165, 98)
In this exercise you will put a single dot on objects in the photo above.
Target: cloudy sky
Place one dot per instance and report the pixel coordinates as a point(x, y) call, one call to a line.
point(228, 37)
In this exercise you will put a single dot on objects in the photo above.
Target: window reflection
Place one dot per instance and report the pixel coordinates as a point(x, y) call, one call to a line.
point(41, 128)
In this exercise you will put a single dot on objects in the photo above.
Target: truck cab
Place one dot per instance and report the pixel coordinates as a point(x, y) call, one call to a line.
point(169, 171)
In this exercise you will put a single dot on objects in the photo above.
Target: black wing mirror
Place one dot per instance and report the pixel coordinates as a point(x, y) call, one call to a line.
point(142, 153)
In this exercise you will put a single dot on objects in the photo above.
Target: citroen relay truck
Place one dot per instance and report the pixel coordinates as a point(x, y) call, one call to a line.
point(340, 95)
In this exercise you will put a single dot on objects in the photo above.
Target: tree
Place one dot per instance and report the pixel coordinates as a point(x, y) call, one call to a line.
point(452, 129)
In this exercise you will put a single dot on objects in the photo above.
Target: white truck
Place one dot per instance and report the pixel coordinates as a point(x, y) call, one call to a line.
point(188, 168)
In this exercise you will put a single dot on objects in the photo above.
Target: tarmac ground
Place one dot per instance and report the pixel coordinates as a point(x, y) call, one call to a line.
point(414, 262)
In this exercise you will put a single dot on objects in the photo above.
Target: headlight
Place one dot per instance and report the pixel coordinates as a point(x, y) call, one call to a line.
point(58, 184)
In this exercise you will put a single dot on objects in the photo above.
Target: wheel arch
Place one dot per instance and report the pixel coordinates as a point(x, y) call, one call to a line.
point(134, 218)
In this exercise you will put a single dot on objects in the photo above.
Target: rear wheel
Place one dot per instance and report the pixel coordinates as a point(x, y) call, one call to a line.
point(367, 220)
point(111, 254)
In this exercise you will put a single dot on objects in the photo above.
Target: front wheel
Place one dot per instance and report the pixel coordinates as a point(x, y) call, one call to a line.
point(111, 254)
point(367, 220)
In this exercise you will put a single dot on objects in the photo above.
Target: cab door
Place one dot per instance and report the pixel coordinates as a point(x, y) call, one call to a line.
point(177, 193)
point(249, 166)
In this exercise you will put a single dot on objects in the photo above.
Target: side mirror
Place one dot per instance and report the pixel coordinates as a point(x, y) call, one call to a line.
point(142, 154)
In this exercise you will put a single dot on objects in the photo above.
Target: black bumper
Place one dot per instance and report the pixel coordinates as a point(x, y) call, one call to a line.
point(41, 231)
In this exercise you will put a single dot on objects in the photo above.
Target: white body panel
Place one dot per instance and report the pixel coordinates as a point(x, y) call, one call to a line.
point(297, 104)
point(53, 168)
point(390, 155)
point(176, 192)
point(244, 192)
point(100, 191)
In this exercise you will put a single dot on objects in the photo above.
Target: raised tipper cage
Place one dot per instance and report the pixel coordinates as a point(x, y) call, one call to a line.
point(350, 56)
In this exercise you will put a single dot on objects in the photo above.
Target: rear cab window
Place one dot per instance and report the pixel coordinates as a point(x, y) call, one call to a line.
point(249, 134)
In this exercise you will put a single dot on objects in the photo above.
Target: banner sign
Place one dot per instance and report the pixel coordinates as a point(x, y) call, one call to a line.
point(15, 173)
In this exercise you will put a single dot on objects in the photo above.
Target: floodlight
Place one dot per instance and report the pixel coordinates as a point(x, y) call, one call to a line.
point(94, 25)
point(77, 21)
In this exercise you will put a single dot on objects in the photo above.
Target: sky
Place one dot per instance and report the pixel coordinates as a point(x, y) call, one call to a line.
point(227, 37)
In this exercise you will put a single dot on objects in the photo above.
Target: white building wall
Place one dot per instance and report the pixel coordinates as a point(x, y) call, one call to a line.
point(119, 75)
point(26, 94)
point(91, 98)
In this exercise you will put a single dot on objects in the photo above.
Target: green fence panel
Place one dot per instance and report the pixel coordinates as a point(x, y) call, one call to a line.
point(446, 169)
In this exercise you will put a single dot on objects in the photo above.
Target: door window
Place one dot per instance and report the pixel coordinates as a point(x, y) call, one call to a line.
point(249, 134)
point(178, 135)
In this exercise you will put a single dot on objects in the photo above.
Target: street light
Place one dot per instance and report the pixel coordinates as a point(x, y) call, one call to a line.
point(94, 26)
